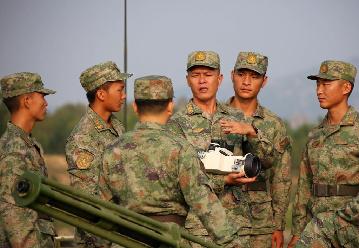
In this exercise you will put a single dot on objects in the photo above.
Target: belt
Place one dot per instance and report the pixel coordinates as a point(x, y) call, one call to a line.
point(179, 220)
point(255, 186)
point(334, 190)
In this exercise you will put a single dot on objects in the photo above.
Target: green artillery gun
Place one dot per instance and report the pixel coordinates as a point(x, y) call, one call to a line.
point(104, 219)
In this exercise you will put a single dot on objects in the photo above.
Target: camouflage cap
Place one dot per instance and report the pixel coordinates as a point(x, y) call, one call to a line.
point(203, 58)
point(99, 74)
point(333, 70)
point(252, 61)
point(21, 83)
point(153, 87)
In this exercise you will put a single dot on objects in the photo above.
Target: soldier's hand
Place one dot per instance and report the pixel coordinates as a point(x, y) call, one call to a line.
point(277, 239)
point(236, 127)
point(293, 241)
point(237, 178)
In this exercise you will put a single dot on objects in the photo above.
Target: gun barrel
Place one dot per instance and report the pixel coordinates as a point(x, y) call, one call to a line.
point(104, 219)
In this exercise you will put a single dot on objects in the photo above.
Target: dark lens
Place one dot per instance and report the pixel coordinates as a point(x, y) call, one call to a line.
point(252, 165)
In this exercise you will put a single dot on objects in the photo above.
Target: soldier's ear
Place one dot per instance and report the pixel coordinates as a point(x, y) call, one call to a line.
point(100, 94)
point(265, 80)
point(135, 108)
point(170, 107)
point(220, 79)
point(25, 101)
point(347, 87)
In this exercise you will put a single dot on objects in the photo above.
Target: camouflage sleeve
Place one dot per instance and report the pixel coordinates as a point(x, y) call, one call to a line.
point(262, 147)
point(18, 223)
point(200, 197)
point(351, 211)
point(280, 180)
point(175, 127)
point(83, 164)
point(300, 216)
point(218, 182)
point(104, 184)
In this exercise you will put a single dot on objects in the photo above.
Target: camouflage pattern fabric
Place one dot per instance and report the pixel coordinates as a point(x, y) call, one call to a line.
point(153, 87)
point(21, 83)
point(99, 74)
point(84, 150)
point(333, 70)
point(203, 58)
point(22, 226)
point(331, 156)
point(151, 171)
point(268, 208)
point(252, 61)
point(340, 229)
point(199, 128)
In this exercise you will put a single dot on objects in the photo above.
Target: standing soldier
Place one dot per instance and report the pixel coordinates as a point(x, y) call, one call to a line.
point(338, 229)
point(267, 205)
point(24, 96)
point(104, 85)
point(153, 172)
point(199, 123)
point(329, 171)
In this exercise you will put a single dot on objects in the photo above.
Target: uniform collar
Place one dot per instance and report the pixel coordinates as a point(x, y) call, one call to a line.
point(259, 112)
point(100, 124)
point(349, 118)
point(193, 109)
point(21, 133)
point(149, 125)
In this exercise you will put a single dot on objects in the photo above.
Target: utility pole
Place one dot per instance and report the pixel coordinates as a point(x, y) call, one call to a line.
point(125, 63)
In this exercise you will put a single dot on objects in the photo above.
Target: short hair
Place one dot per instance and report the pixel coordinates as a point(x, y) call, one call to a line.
point(197, 66)
point(246, 69)
point(91, 95)
point(12, 103)
point(152, 106)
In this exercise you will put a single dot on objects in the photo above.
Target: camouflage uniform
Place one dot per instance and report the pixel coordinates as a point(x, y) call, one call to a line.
point(19, 152)
point(268, 205)
point(87, 141)
point(155, 173)
point(329, 174)
point(340, 229)
point(199, 129)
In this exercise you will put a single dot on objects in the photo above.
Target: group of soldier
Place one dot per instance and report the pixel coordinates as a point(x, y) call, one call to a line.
point(155, 170)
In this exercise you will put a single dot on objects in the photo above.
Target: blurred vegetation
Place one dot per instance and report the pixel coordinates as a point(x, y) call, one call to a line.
point(54, 130)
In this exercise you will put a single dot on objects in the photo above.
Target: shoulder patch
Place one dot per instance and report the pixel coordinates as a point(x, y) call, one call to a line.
point(84, 159)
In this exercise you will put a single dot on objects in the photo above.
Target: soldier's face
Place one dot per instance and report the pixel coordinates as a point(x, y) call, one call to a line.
point(247, 83)
point(204, 82)
point(332, 93)
point(37, 105)
point(114, 96)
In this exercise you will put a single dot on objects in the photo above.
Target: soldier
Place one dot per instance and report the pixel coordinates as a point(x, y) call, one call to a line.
point(24, 96)
point(328, 173)
point(104, 85)
point(267, 205)
point(199, 123)
point(339, 229)
point(155, 173)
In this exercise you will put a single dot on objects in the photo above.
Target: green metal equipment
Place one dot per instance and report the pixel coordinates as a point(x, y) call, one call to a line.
point(104, 219)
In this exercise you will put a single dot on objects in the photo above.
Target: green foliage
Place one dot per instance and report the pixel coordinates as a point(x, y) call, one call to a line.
point(4, 117)
point(299, 137)
point(54, 130)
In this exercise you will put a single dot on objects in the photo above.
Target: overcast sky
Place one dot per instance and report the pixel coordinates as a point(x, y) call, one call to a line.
point(61, 38)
